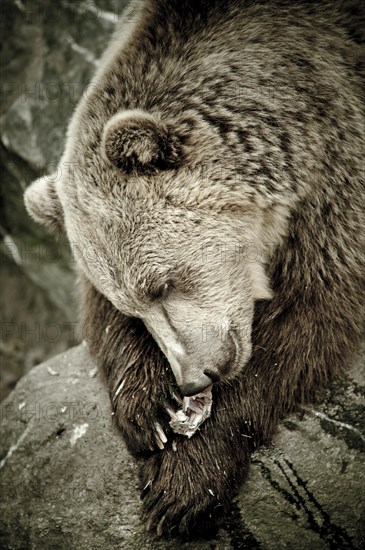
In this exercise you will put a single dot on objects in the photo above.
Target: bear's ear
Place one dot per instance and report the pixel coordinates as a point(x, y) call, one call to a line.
point(136, 141)
point(42, 202)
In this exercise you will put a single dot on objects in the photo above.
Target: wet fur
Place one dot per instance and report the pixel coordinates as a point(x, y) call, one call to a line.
point(298, 161)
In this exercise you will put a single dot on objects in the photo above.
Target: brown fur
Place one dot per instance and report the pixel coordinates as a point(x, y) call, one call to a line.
point(265, 101)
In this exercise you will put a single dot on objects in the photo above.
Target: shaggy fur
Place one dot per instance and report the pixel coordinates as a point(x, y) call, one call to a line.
point(218, 155)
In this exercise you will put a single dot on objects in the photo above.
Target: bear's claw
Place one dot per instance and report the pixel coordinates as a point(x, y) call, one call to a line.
point(160, 436)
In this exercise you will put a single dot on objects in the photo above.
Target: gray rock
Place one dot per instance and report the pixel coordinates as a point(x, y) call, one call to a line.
point(49, 53)
point(67, 480)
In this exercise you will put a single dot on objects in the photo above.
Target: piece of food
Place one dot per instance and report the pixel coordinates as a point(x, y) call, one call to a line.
point(195, 410)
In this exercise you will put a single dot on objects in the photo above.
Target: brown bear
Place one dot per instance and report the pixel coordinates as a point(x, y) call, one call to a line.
point(212, 188)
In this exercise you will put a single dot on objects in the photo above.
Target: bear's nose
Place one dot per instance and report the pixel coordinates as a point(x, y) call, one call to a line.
point(214, 376)
point(196, 386)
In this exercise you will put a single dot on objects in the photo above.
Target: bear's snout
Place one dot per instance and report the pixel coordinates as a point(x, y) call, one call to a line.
point(222, 361)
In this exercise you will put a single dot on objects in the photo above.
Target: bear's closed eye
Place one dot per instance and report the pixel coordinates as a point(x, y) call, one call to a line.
point(161, 291)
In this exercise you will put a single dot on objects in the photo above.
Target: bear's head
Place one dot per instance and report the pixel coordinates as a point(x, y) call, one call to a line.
point(163, 240)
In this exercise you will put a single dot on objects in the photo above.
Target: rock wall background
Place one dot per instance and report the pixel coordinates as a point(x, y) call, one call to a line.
point(49, 52)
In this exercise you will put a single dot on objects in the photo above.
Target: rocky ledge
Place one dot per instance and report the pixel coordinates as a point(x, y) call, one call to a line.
point(67, 480)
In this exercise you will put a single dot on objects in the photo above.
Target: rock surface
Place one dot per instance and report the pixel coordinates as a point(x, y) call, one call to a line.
point(68, 482)
point(49, 53)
